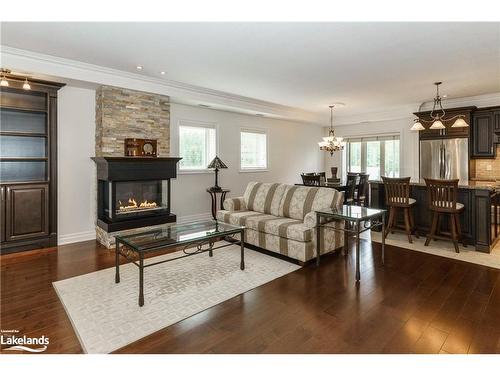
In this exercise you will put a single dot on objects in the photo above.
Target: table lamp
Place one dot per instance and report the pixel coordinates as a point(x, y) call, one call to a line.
point(216, 164)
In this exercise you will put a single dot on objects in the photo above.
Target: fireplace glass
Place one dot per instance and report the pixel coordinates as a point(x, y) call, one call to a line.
point(129, 199)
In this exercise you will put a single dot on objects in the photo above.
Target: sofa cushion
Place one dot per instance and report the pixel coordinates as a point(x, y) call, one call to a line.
point(264, 197)
point(264, 223)
point(298, 201)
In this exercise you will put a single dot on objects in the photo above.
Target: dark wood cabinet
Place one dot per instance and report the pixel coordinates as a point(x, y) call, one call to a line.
point(475, 220)
point(26, 211)
point(28, 165)
point(483, 136)
point(2, 213)
point(496, 120)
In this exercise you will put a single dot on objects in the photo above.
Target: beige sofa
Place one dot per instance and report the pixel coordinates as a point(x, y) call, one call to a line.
point(281, 218)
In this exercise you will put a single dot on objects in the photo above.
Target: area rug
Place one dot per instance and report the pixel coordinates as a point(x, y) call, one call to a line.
point(441, 248)
point(106, 316)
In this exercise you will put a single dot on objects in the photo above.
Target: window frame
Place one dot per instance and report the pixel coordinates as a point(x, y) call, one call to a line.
point(363, 139)
point(196, 124)
point(257, 131)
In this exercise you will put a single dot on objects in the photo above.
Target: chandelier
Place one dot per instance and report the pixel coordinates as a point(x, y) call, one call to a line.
point(438, 116)
point(331, 143)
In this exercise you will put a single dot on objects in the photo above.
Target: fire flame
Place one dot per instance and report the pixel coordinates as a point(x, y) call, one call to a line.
point(132, 205)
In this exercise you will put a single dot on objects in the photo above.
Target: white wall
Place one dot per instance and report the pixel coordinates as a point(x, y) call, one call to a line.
point(408, 143)
point(76, 172)
point(292, 150)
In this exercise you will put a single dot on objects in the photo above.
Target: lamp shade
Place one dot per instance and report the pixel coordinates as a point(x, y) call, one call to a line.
point(460, 123)
point(417, 126)
point(217, 164)
point(437, 125)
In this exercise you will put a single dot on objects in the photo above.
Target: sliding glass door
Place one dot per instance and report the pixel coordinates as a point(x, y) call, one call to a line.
point(378, 156)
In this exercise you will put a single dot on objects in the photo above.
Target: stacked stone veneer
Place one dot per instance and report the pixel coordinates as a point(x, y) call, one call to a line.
point(123, 113)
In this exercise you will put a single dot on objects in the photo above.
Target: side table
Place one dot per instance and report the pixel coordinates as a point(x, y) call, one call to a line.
point(213, 194)
point(357, 219)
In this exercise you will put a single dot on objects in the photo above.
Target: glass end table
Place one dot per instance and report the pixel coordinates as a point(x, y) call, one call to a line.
point(355, 219)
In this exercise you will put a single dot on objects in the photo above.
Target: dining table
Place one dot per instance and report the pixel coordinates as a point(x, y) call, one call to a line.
point(340, 186)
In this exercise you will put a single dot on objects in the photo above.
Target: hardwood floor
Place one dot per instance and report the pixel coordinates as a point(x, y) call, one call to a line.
point(417, 303)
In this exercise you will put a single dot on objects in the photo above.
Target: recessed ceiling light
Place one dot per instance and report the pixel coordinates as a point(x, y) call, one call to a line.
point(445, 96)
point(139, 67)
point(162, 73)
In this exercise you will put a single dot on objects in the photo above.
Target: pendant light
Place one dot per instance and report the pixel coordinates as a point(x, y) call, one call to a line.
point(331, 143)
point(417, 125)
point(438, 116)
point(26, 84)
point(3, 80)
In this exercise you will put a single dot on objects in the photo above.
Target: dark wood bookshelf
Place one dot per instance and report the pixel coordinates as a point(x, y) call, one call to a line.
point(28, 165)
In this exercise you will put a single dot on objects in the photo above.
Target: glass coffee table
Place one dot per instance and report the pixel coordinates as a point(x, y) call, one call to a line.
point(201, 234)
point(357, 219)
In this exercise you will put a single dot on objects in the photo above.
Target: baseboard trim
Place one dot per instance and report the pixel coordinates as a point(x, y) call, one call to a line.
point(65, 239)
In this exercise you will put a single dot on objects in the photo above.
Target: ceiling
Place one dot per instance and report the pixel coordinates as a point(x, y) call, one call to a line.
point(371, 67)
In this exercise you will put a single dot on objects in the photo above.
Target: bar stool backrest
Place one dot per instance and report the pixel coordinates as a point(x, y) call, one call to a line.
point(313, 180)
point(397, 191)
point(442, 194)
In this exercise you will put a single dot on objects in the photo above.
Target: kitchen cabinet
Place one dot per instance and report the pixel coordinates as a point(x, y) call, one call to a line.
point(476, 221)
point(496, 126)
point(482, 134)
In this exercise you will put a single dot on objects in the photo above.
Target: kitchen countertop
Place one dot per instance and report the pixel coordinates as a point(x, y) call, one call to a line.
point(477, 185)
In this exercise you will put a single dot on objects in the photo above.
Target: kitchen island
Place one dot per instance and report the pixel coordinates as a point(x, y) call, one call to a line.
point(479, 222)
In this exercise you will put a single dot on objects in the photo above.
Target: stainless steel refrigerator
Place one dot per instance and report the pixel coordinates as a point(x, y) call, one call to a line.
point(445, 158)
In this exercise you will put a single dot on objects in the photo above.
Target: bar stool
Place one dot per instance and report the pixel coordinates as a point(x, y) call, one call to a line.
point(442, 195)
point(397, 196)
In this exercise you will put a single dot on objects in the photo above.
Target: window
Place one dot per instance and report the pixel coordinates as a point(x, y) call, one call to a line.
point(377, 156)
point(197, 145)
point(253, 149)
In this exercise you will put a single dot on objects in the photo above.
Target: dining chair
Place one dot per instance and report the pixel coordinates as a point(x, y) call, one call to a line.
point(351, 183)
point(362, 190)
point(309, 180)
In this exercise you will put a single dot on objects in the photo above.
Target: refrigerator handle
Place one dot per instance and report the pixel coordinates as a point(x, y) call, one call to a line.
point(440, 161)
point(443, 162)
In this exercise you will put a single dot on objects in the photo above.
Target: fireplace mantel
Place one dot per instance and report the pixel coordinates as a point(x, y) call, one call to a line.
point(123, 168)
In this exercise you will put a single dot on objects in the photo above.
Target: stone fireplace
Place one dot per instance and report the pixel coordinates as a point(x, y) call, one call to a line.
point(133, 193)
